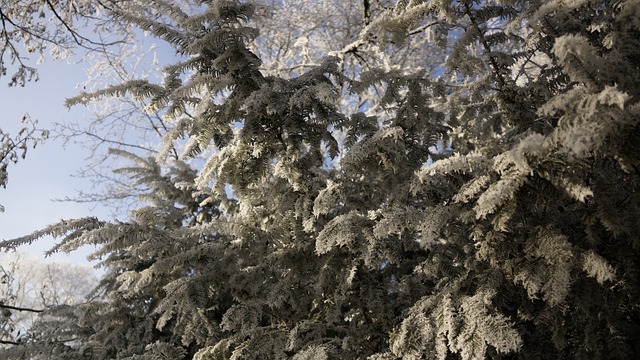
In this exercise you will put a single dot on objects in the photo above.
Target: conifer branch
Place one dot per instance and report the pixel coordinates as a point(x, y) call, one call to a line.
point(486, 46)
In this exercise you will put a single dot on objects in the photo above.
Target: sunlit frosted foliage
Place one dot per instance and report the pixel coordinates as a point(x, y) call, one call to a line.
point(333, 201)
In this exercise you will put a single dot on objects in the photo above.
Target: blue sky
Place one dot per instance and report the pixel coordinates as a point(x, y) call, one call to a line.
point(46, 172)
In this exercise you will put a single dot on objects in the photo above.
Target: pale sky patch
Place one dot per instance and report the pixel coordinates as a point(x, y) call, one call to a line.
point(46, 172)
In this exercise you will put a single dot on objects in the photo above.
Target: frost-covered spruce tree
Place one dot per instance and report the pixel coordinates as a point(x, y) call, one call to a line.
point(162, 298)
point(486, 211)
point(528, 228)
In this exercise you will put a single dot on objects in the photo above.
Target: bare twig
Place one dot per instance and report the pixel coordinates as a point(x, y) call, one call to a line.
point(76, 36)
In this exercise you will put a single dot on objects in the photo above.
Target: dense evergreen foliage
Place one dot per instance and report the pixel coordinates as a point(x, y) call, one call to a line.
point(481, 207)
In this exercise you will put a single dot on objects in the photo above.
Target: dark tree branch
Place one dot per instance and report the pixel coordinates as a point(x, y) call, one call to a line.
point(367, 11)
point(9, 307)
point(492, 59)
point(7, 342)
point(115, 142)
point(76, 36)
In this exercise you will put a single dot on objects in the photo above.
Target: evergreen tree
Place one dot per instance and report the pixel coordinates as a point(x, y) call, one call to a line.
point(486, 209)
